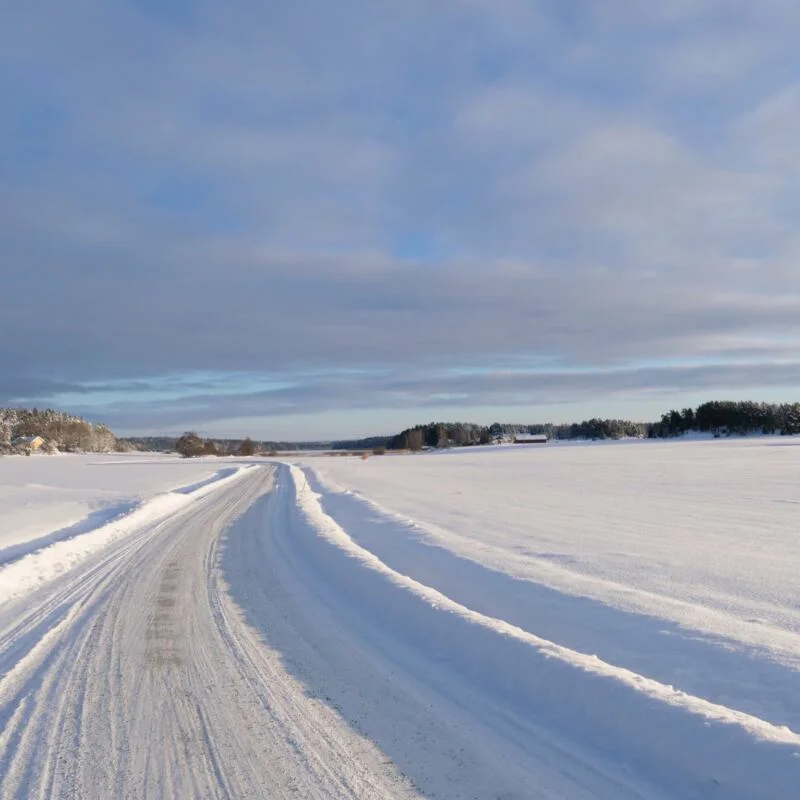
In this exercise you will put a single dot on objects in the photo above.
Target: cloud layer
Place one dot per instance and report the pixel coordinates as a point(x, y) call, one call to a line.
point(466, 204)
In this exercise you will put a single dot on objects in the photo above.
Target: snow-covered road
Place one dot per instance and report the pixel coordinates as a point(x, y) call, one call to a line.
point(236, 641)
point(135, 676)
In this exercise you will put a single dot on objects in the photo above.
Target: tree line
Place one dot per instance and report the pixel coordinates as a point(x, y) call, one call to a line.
point(440, 434)
point(59, 430)
point(69, 433)
point(190, 445)
point(723, 417)
point(719, 417)
point(460, 434)
point(224, 447)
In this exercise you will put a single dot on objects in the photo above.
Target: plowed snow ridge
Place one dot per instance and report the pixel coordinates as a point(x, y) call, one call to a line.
point(688, 740)
point(37, 561)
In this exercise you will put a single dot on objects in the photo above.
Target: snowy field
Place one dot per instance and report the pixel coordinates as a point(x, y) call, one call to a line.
point(82, 502)
point(40, 494)
point(676, 561)
point(702, 534)
point(582, 621)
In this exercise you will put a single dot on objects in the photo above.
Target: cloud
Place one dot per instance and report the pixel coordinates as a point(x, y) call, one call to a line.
point(451, 391)
point(394, 188)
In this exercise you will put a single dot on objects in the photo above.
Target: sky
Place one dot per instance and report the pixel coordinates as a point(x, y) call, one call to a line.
point(317, 219)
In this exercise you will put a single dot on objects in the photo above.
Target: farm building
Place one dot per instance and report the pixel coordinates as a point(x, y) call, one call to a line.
point(30, 443)
point(530, 438)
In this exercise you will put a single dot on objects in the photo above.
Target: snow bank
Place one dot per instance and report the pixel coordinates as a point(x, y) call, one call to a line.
point(681, 742)
point(43, 494)
point(31, 563)
point(719, 670)
point(701, 534)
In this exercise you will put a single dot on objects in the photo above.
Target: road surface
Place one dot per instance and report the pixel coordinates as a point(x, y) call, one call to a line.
point(137, 677)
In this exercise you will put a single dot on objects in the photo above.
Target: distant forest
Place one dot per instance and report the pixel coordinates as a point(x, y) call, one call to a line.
point(718, 417)
point(60, 431)
point(68, 433)
point(727, 417)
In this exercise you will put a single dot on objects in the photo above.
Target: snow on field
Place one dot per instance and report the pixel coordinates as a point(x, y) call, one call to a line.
point(580, 621)
point(704, 534)
point(54, 510)
point(42, 493)
point(658, 734)
point(678, 561)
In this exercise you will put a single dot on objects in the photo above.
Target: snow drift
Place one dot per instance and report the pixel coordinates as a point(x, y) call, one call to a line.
point(26, 565)
point(676, 741)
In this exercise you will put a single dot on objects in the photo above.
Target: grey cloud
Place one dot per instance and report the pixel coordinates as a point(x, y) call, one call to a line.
point(208, 307)
point(18, 388)
point(429, 390)
point(563, 203)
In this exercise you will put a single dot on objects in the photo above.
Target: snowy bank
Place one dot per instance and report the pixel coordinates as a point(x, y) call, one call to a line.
point(683, 743)
point(26, 564)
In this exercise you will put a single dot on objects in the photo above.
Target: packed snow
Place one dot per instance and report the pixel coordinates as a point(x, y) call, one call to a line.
point(583, 621)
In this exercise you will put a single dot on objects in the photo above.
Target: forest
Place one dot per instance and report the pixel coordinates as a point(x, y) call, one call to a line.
point(717, 417)
point(60, 431)
point(726, 417)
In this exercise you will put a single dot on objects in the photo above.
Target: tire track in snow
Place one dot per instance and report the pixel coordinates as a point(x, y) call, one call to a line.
point(121, 679)
point(681, 744)
point(238, 649)
point(352, 654)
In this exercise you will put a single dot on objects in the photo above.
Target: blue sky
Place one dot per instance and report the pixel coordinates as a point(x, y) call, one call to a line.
point(331, 219)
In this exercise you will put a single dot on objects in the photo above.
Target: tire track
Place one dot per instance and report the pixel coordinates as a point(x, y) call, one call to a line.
point(136, 676)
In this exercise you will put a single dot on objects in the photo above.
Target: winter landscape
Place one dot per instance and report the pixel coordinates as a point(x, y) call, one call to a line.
point(399, 399)
point(569, 620)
